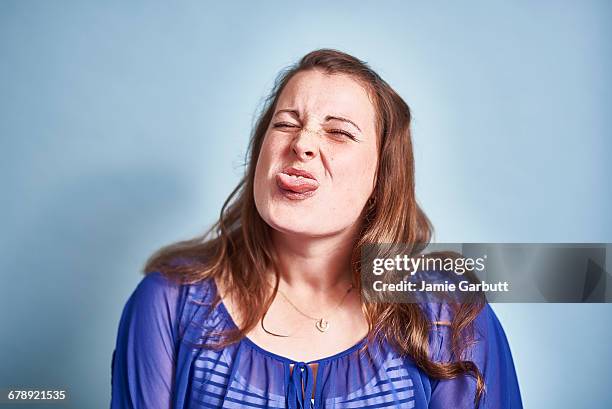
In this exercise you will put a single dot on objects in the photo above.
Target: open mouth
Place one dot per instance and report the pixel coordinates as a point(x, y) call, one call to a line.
point(296, 183)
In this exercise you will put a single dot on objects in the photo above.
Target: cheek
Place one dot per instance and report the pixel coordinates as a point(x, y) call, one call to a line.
point(354, 174)
point(271, 151)
point(266, 157)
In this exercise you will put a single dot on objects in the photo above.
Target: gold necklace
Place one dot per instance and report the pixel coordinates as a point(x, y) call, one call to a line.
point(321, 323)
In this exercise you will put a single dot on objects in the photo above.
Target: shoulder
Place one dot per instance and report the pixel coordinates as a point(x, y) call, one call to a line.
point(155, 296)
point(157, 282)
point(442, 313)
point(162, 303)
point(156, 289)
point(481, 329)
point(446, 306)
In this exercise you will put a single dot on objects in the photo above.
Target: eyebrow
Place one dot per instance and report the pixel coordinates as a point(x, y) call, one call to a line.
point(339, 118)
point(327, 118)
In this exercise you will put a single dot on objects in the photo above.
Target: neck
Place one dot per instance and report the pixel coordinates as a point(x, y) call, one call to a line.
point(314, 264)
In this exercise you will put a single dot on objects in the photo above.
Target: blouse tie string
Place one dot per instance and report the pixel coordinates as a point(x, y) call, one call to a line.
point(300, 387)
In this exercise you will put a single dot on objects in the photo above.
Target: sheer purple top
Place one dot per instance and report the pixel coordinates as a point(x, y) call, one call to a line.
point(157, 365)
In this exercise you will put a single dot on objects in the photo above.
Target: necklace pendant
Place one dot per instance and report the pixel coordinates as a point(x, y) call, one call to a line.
point(322, 325)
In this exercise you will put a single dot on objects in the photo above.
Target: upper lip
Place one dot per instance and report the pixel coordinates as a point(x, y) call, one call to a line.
point(298, 172)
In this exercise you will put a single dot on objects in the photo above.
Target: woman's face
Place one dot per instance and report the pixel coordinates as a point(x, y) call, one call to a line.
point(317, 165)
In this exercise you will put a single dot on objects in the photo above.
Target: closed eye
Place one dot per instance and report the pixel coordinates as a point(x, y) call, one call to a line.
point(335, 132)
point(284, 125)
point(342, 132)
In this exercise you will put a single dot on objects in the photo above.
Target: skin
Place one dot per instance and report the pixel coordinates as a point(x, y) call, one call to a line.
point(300, 135)
point(314, 237)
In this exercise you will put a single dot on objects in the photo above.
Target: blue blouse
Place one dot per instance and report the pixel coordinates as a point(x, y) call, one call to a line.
point(156, 364)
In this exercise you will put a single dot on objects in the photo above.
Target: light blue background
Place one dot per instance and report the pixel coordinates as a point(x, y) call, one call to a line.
point(124, 125)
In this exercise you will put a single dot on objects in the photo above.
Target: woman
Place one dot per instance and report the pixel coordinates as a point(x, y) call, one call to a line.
point(265, 310)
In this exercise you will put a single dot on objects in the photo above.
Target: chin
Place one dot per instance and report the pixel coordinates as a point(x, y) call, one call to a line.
point(292, 221)
point(300, 223)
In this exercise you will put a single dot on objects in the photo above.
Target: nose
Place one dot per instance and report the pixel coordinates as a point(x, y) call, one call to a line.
point(305, 145)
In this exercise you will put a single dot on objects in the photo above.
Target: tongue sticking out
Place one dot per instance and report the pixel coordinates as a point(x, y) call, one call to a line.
point(297, 184)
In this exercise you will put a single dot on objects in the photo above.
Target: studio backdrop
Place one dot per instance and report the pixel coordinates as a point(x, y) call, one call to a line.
point(124, 125)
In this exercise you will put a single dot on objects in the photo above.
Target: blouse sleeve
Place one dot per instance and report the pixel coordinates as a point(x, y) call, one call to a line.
point(491, 353)
point(144, 357)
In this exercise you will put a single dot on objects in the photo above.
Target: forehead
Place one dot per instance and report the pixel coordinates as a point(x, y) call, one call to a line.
point(314, 92)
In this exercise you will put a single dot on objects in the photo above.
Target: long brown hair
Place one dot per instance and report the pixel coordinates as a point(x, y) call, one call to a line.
point(237, 250)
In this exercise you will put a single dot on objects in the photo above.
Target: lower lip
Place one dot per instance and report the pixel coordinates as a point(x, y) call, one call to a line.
point(296, 196)
point(291, 195)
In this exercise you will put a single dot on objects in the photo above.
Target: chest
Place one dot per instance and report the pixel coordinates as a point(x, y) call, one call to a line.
point(244, 376)
point(287, 332)
point(265, 373)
